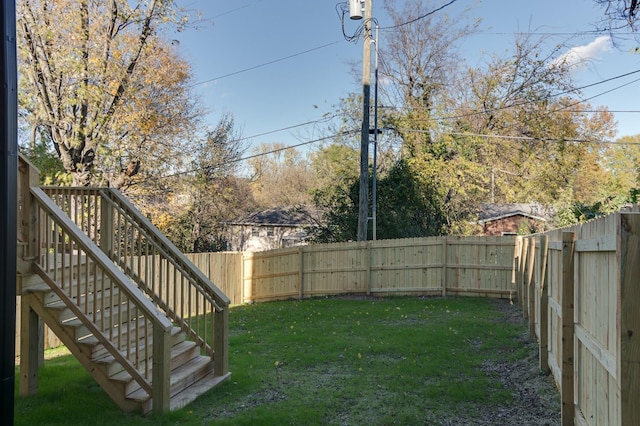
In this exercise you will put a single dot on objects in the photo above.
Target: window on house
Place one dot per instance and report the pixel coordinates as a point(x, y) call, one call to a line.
point(270, 231)
point(255, 231)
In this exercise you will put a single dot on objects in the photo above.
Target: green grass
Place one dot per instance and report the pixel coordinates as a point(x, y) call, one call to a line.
point(323, 361)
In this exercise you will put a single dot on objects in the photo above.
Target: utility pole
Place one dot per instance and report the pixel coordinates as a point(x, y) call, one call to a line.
point(363, 205)
point(8, 198)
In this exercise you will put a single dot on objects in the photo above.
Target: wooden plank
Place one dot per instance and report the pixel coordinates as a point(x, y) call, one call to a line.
point(478, 266)
point(597, 244)
point(567, 385)
point(555, 245)
point(367, 262)
point(301, 271)
point(504, 241)
point(525, 270)
point(161, 369)
point(629, 329)
point(597, 349)
point(221, 343)
point(544, 306)
point(444, 266)
point(29, 345)
point(531, 285)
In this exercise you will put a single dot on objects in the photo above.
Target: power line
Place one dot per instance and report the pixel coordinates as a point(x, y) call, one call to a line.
point(523, 103)
point(526, 138)
point(411, 21)
point(228, 12)
point(266, 63)
point(238, 160)
point(282, 129)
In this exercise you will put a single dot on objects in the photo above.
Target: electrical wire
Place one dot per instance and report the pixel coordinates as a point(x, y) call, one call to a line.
point(523, 103)
point(411, 21)
point(228, 12)
point(238, 160)
point(525, 138)
point(313, 49)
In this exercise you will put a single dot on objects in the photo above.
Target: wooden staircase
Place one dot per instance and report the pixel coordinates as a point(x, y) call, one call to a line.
point(93, 269)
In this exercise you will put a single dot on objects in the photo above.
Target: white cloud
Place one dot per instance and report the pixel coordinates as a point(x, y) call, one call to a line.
point(581, 56)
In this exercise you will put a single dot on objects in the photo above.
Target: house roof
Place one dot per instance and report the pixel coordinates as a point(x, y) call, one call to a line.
point(492, 212)
point(279, 216)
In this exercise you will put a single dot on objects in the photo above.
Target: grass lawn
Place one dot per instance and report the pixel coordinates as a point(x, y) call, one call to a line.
point(338, 361)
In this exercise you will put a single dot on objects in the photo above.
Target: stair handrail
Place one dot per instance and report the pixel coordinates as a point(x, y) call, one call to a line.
point(218, 349)
point(153, 233)
point(80, 243)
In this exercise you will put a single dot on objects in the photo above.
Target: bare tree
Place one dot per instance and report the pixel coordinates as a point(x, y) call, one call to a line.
point(420, 60)
point(620, 14)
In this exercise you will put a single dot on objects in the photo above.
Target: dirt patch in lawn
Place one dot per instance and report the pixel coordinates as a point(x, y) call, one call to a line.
point(536, 400)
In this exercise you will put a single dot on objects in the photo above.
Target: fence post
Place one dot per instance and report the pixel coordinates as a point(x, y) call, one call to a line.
point(368, 265)
point(445, 250)
point(566, 386)
point(544, 306)
point(301, 271)
point(515, 275)
point(629, 338)
point(247, 277)
point(531, 286)
point(523, 278)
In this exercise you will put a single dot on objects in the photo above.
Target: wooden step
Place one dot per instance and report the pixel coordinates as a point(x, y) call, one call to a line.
point(51, 298)
point(181, 378)
point(97, 350)
point(107, 298)
point(181, 354)
point(191, 373)
point(203, 385)
point(178, 349)
point(119, 316)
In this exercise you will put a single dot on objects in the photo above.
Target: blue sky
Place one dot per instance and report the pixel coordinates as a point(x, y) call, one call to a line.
point(274, 64)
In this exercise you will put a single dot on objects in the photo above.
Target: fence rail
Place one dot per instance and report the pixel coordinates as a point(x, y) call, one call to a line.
point(579, 290)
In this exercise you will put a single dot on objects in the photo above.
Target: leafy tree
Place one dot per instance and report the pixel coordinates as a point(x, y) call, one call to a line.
point(280, 177)
point(622, 161)
point(196, 206)
point(409, 205)
point(102, 85)
point(543, 144)
point(335, 192)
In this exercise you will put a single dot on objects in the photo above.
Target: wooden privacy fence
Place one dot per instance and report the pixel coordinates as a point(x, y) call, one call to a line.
point(470, 266)
point(473, 266)
point(579, 289)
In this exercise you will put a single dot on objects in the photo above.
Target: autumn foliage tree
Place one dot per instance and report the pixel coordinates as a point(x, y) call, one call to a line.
point(102, 86)
point(193, 207)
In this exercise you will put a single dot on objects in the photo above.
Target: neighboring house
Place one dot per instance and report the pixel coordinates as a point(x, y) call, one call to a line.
point(269, 229)
point(511, 219)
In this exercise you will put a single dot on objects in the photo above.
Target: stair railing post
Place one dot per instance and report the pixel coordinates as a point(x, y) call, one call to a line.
point(161, 372)
point(106, 226)
point(221, 342)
